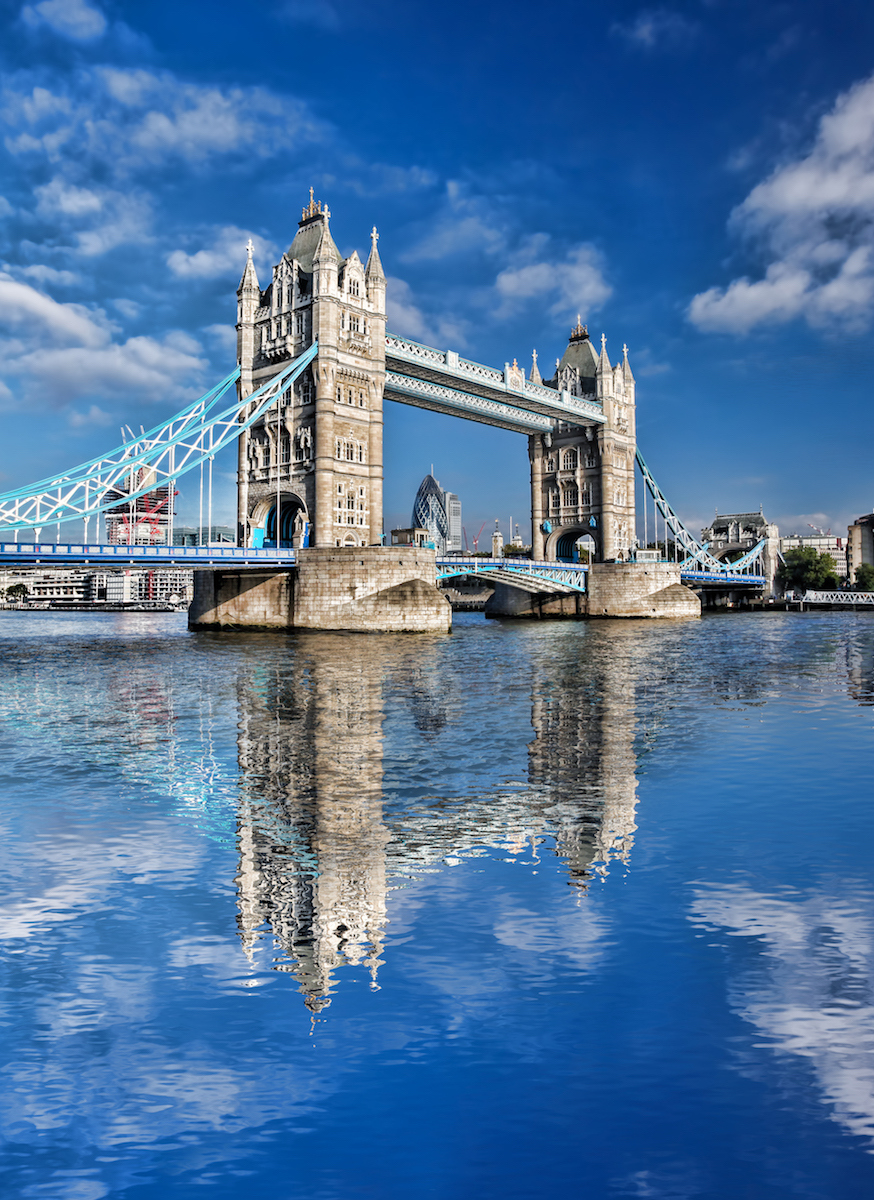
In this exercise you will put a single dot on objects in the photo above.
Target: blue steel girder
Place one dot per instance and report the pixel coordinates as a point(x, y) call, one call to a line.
point(693, 550)
point(167, 451)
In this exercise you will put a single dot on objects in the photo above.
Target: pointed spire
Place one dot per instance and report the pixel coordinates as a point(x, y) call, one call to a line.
point(250, 277)
point(534, 374)
point(325, 250)
point(626, 366)
point(374, 270)
point(603, 360)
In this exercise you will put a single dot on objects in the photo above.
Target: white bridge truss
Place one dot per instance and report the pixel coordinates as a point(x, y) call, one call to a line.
point(154, 459)
point(697, 558)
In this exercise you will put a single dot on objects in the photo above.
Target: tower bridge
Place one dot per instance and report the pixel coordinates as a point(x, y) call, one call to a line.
point(304, 406)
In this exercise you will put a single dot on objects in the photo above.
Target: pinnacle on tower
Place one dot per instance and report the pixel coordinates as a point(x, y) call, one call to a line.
point(626, 366)
point(603, 360)
point(250, 277)
point(534, 375)
point(374, 270)
point(580, 332)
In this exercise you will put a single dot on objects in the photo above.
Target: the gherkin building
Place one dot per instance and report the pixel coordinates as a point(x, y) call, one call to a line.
point(439, 512)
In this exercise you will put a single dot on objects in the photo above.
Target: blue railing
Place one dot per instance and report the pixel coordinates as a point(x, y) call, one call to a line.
point(190, 557)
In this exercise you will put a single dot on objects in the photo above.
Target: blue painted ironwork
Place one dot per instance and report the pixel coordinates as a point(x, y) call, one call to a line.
point(167, 451)
point(564, 576)
point(80, 554)
point(697, 559)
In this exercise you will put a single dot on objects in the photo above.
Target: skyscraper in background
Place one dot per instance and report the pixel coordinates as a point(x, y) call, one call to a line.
point(439, 512)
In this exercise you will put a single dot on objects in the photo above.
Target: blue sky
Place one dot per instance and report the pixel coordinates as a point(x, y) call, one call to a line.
point(696, 179)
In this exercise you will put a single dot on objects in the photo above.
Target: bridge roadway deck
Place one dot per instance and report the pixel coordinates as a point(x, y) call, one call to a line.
point(565, 576)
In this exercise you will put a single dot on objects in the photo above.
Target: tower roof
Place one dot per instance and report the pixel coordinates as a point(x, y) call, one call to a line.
point(580, 353)
point(313, 236)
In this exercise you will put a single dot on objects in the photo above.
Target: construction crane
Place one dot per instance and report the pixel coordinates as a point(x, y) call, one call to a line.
point(821, 532)
point(476, 539)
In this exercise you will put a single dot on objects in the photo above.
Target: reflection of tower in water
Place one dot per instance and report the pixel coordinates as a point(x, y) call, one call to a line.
point(583, 713)
point(312, 840)
point(316, 844)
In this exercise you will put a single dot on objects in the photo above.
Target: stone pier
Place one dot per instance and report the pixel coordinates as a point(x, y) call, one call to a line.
point(371, 589)
point(648, 590)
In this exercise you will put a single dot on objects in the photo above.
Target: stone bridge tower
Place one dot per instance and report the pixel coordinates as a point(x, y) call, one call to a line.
point(582, 476)
point(310, 473)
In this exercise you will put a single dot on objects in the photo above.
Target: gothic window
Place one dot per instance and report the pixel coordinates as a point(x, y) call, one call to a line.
point(339, 448)
point(339, 394)
point(298, 324)
point(555, 498)
point(569, 460)
point(571, 497)
point(550, 464)
point(286, 449)
point(590, 458)
point(360, 453)
point(353, 287)
point(361, 399)
point(586, 495)
point(284, 326)
point(350, 451)
point(342, 320)
point(349, 399)
point(353, 324)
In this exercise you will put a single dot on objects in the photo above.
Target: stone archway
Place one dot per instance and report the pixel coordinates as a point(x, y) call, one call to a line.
point(561, 542)
point(263, 523)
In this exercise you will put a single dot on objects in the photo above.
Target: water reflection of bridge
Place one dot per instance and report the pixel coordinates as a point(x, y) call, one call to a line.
point(321, 838)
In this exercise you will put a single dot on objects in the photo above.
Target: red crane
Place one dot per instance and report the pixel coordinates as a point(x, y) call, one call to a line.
point(476, 539)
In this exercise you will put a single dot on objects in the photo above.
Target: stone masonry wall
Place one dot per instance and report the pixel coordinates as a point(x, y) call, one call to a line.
point(639, 590)
point(389, 589)
point(365, 589)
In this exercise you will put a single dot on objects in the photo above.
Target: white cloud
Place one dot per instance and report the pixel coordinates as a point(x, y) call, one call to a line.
point(63, 352)
point(573, 284)
point(467, 225)
point(88, 420)
point(405, 317)
point(96, 219)
point(226, 255)
point(132, 119)
point(41, 273)
point(657, 28)
point(814, 218)
point(70, 18)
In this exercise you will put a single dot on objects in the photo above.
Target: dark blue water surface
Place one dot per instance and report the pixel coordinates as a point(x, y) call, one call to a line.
point(534, 910)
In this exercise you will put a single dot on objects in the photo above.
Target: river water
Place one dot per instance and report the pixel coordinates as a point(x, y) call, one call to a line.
point(533, 910)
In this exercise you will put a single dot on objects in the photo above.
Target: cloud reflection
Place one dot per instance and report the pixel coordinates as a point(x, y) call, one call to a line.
point(812, 992)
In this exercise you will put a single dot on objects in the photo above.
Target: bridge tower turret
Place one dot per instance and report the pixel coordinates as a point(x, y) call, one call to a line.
point(582, 476)
point(316, 463)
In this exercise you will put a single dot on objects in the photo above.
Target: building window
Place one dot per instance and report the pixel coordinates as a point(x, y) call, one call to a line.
point(590, 458)
point(361, 399)
point(571, 497)
point(339, 394)
point(286, 449)
point(339, 448)
point(298, 324)
point(353, 287)
point(569, 460)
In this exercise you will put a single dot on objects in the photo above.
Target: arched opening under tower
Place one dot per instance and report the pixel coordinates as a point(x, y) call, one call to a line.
point(293, 521)
point(574, 543)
